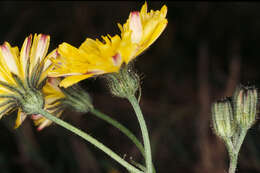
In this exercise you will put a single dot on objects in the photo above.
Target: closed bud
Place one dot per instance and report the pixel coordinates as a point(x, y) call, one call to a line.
point(245, 102)
point(222, 116)
point(77, 99)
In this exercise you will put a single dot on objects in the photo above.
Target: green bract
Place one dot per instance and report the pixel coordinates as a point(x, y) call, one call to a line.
point(222, 116)
point(245, 100)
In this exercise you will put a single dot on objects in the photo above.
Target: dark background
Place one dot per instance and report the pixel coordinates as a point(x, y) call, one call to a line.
point(205, 51)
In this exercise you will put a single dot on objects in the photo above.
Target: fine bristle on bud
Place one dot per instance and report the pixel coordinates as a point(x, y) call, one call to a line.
point(222, 116)
point(245, 103)
point(125, 83)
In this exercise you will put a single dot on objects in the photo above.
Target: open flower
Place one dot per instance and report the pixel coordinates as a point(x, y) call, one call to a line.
point(57, 99)
point(94, 57)
point(22, 76)
point(141, 30)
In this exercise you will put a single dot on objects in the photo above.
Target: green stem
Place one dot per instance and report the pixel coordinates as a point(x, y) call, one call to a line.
point(90, 139)
point(232, 155)
point(119, 126)
point(147, 146)
point(240, 140)
point(233, 163)
point(122, 128)
point(234, 150)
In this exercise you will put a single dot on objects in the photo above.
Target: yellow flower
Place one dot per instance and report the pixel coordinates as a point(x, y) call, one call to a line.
point(140, 31)
point(52, 96)
point(94, 57)
point(22, 72)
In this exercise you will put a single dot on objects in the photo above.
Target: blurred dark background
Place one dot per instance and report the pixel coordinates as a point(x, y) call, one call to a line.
point(205, 51)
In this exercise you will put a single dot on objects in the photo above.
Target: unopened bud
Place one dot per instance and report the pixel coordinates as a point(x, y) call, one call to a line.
point(222, 116)
point(77, 99)
point(245, 101)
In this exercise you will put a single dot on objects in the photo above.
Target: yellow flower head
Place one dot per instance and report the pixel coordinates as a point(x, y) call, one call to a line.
point(141, 30)
point(52, 96)
point(22, 71)
point(94, 57)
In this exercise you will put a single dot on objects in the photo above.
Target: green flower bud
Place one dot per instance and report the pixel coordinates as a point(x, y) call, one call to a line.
point(245, 101)
point(222, 116)
point(125, 83)
point(77, 99)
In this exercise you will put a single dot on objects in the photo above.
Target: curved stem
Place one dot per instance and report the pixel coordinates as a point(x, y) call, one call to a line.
point(90, 139)
point(121, 127)
point(147, 146)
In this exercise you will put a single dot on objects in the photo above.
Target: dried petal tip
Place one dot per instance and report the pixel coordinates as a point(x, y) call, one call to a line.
point(222, 117)
point(245, 102)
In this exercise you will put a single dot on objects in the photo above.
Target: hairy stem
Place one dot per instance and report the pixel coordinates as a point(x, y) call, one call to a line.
point(147, 146)
point(233, 163)
point(90, 139)
point(119, 126)
point(234, 148)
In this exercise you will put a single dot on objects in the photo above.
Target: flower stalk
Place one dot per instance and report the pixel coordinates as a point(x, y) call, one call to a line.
point(147, 146)
point(90, 139)
point(78, 99)
point(233, 162)
point(125, 84)
point(121, 127)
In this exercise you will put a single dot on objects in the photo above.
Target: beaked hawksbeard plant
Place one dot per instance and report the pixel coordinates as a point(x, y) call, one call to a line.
point(41, 85)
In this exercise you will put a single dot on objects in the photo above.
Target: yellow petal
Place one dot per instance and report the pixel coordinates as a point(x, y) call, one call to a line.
point(9, 58)
point(140, 31)
point(156, 33)
point(144, 9)
point(70, 80)
point(15, 51)
point(51, 89)
point(44, 124)
point(136, 27)
point(164, 11)
point(20, 118)
point(25, 52)
point(39, 48)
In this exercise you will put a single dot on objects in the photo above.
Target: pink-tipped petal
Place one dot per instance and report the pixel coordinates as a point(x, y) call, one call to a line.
point(94, 72)
point(43, 125)
point(28, 43)
point(117, 59)
point(136, 27)
point(53, 55)
point(36, 116)
point(25, 51)
point(9, 58)
point(54, 83)
point(40, 47)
